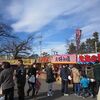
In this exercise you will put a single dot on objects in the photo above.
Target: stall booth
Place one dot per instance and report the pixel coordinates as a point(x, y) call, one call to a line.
point(43, 63)
point(86, 61)
point(14, 62)
point(59, 60)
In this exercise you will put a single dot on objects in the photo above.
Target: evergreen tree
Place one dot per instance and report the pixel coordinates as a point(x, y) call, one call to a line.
point(88, 46)
point(96, 41)
point(72, 48)
point(82, 48)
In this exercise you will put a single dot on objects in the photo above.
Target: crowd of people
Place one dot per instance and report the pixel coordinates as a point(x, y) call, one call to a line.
point(83, 86)
point(7, 81)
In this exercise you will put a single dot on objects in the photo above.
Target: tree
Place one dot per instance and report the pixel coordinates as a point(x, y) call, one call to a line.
point(72, 48)
point(96, 36)
point(18, 47)
point(96, 41)
point(98, 47)
point(6, 31)
point(88, 46)
point(82, 48)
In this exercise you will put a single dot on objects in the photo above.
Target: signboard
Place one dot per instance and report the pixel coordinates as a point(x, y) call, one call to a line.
point(44, 59)
point(88, 57)
point(64, 59)
point(25, 61)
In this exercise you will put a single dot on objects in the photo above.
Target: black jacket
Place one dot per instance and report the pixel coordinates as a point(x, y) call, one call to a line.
point(49, 75)
point(64, 73)
point(32, 71)
point(21, 75)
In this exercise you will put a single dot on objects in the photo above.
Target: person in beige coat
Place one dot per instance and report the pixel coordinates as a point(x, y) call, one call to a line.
point(76, 79)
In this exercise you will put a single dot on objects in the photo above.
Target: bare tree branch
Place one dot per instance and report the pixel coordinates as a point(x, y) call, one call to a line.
point(18, 47)
point(6, 31)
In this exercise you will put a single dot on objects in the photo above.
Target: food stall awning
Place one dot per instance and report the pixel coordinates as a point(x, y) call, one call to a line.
point(64, 59)
point(88, 58)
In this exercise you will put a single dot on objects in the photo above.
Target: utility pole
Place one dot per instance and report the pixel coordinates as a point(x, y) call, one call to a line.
point(95, 47)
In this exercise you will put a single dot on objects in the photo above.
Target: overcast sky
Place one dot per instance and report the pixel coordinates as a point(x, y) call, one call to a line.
point(56, 20)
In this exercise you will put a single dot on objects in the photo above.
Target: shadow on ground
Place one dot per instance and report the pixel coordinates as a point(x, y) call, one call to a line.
point(57, 94)
point(43, 96)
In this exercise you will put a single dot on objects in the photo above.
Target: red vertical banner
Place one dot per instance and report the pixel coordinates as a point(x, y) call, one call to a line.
point(78, 37)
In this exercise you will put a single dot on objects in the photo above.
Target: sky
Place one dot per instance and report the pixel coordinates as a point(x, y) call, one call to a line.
point(55, 20)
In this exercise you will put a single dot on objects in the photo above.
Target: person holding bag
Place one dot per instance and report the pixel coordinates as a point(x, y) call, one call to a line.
point(31, 79)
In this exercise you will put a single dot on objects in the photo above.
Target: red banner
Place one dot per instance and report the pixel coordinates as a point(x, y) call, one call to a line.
point(88, 57)
point(78, 37)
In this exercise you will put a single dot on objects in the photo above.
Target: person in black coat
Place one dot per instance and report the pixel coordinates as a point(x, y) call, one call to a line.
point(50, 79)
point(64, 73)
point(21, 79)
point(32, 74)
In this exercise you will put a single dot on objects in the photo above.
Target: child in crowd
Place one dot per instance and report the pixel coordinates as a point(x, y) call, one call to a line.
point(84, 82)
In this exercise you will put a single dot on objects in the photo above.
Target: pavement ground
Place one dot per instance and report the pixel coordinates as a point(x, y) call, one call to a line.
point(42, 95)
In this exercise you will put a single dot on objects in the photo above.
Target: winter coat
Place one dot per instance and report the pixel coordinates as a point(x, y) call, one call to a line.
point(21, 76)
point(32, 71)
point(49, 75)
point(64, 73)
point(84, 82)
point(75, 75)
point(6, 78)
